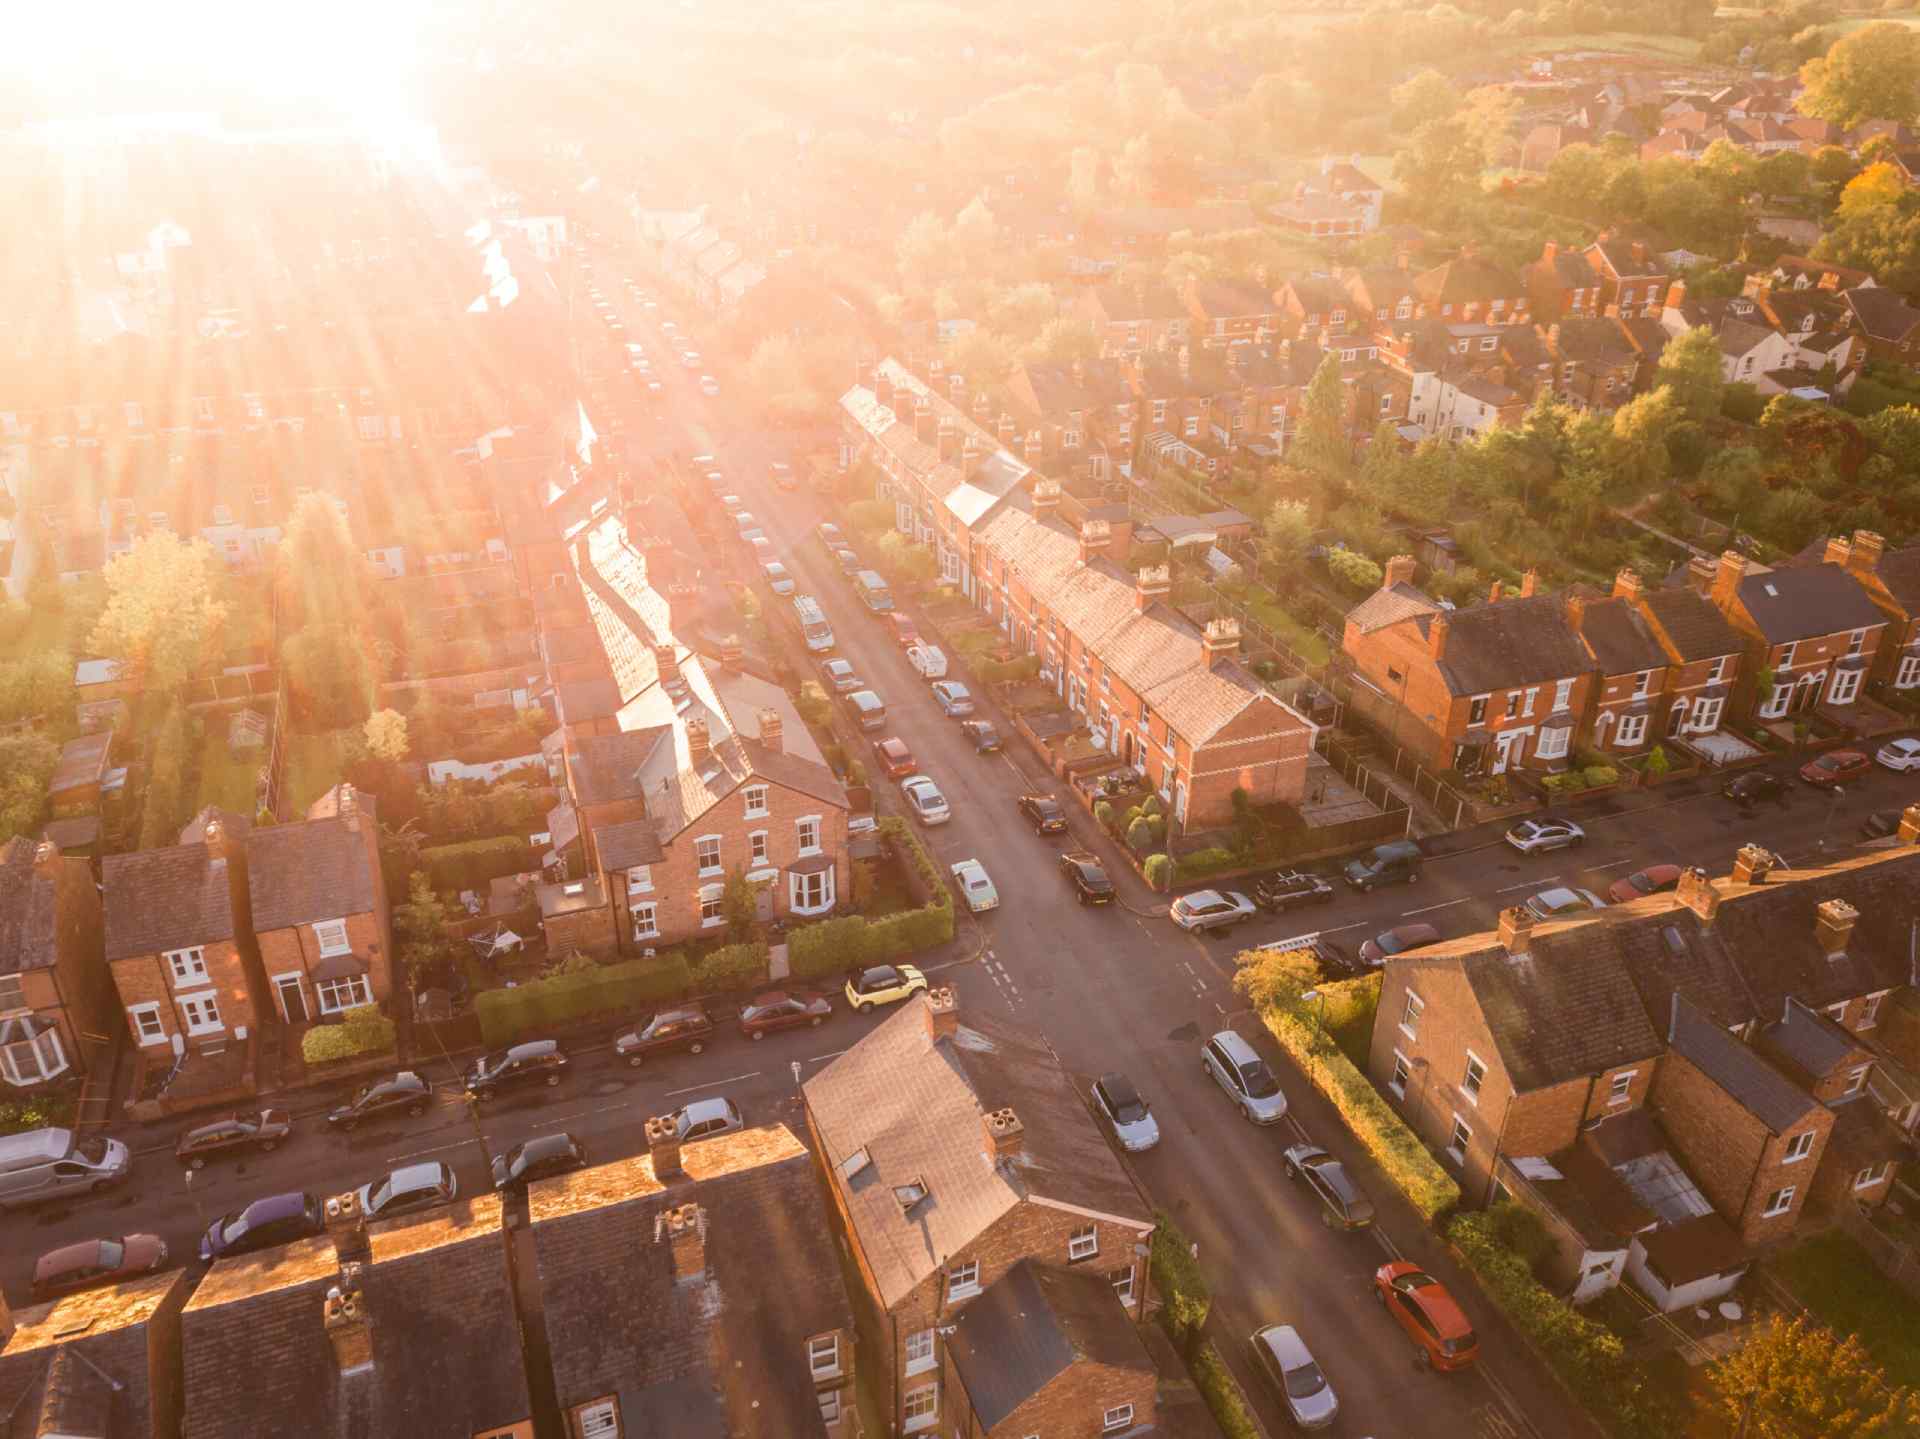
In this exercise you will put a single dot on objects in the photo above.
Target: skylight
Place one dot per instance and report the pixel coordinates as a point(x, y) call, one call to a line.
point(854, 1163)
point(910, 1194)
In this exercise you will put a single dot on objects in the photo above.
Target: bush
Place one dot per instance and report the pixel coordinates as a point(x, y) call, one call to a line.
point(870, 517)
point(1103, 815)
point(829, 946)
point(1177, 1278)
point(43, 1111)
point(1225, 1398)
point(933, 880)
point(1204, 862)
point(1151, 805)
point(364, 1030)
point(506, 1014)
point(729, 968)
point(1601, 774)
point(910, 931)
point(1657, 761)
point(475, 863)
point(1159, 870)
point(1140, 835)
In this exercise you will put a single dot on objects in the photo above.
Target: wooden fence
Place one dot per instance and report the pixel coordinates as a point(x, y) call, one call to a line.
point(1894, 1259)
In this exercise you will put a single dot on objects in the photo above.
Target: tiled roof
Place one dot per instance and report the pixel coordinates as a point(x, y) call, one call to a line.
point(82, 761)
point(1597, 339)
point(1467, 280)
point(1805, 603)
point(27, 932)
point(1883, 314)
point(1514, 642)
point(719, 1353)
point(578, 701)
point(308, 870)
point(1761, 1090)
point(630, 616)
point(1693, 623)
point(162, 899)
point(1900, 572)
point(1810, 1039)
point(1123, 303)
point(604, 768)
point(1389, 605)
point(621, 846)
point(1591, 1197)
point(1619, 638)
point(917, 1108)
point(84, 1357)
point(1563, 1011)
point(1694, 1249)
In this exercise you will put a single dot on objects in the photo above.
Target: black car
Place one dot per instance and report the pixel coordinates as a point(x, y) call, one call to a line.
point(1044, 813)
point(1343, 1204)
point(688, 1028)
point(541, 1157)
point(984, 738)
point(1753, 786)
point(403, 1093)
point(1088, 877)
point(1881, 823)
point(1289, 889)
point(536, 1062)
point(278, 1219)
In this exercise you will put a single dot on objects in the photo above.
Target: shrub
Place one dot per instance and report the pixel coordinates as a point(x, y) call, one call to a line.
point(505, 1014)
point(1140, 835)
point(933, 881)
point(1657, 761)
point(1159, 870)
point(43, 1111)
point(475, 863)
point(1151, 805)
point(1601, 774)
point(829, 946)
point(730, 967)
point(1177, 1278)
point(364, 1030)
point(1103, 815)
point(1204, 862)
point(910, 931)
point(870, 517)
point(1225, 1398)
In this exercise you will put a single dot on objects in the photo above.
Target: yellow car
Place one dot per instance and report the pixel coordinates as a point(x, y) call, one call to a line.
point(884, 984)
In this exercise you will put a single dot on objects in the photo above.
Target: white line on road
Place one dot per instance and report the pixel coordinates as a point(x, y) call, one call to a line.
point(1386, 1243)
point(1541, 883)
point(1449, 904)
point(713, 1084)
point(437, 1149)
point(1614, 864)
point(823, 1058)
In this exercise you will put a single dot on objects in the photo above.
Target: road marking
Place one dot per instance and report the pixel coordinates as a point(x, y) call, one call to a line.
point(437, 1149)
point(1386, 1243)
point(1464, 899)
point(823, 1058)
point(735, 1079)
point(1540, 883)
point(1612, 864)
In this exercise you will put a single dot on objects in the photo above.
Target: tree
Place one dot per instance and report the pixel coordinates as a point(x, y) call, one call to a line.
point(1883, 239)
point(926, 252)
point(1440, 162)
point(904, 560)
point(1895, 432)
point(420, 931)
point(35, 685)
point(1879, 184)
point(1065, 340)
point(739, 903)
point(1872, 74)
point(165, 618)
point(328, 675)
point(27, 762)
point(1276, 979)
point(320, 572)
point(1814, 1381)
point(1289, 531)
point(1428, 96)
point(1639, 454)
point(1322, 445)
point(386, 732)
point(1690, 368)
point(163, 803)
point(1022, 313)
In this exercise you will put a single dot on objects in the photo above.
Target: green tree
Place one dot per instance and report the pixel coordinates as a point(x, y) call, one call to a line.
point(27, 762)
point(1276, 979)
point(1895, 432)
point(163, 804)
point(926, 253)
point(165, 617)
point(1877, 185)
point(1641, 428)
point(1690, 369)
point(329, 677)
point(420, 931)
point(35, 685)
point(739, 904)
point(1020, 314)
point(1813, 1380)
point(1440, 163)
point(386, 735)
point(1354, 569)
point(1872, 74)
point(976, 235)
point(1065, 340)
point(904, 560)
point(1322, 446)
point(1428, 96)
point(320, 573)
point(1083, 181)
point(1882, 239)
point(1288, 532)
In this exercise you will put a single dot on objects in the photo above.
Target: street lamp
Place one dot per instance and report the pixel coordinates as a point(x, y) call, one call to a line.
point(1319, 1018)
point(1832, 810)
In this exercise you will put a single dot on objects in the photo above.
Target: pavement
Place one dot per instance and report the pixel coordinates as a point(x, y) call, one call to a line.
point(1110, 988)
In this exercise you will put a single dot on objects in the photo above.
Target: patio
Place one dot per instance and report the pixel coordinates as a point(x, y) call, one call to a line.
point(1722, 747)
point(1329, 799)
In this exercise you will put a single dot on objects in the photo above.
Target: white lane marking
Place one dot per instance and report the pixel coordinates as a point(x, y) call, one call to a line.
point(1336, 928)
point(1614, 864)
point(1386, 1243)
point(735, 1079)
point(1540, 883)
point(437, 1149)
point(823, 1058)
point(1449, 904)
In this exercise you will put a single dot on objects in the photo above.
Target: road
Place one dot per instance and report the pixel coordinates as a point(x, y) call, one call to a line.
point(1115, 988)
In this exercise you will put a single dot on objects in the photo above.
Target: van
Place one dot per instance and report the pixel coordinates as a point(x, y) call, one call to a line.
point(873, 592)
point(868, 710)
point(928, 660)
point(1395, 863)
point(45, 1164)
point(814, 628)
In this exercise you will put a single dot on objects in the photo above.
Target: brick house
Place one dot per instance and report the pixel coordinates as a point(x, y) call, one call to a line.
point(1470, 289)
point(1380, 297)
point(180, 943)
point(1838, 1068)
point(1229, 312)
point(1137, 320)
point(1889, 325)
point(1593, 364)
point(954, 1155)
point(694, 1290)
point(1084, 416)
point(56, 997)
point(410, 1326)
point(1704, 655)
point(1633, 277)
point(319, 905)
point(100, 1362)
point(1891, 579)
point(1560, 284)
point(1628, 710)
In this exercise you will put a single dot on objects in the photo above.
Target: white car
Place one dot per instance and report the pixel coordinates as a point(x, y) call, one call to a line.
point(1210, 909)
point(690, 359)
point(929, 660)
point(1537, 836)
point(709, 387)
point(778, 580)
point(1563, 902)
point(929, 805)
point(975, 886)
point(1898, 754)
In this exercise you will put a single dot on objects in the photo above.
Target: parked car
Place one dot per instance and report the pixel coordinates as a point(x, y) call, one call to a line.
point(704, 1118)
point(1654, 879)
point(896, 760)
point(781, 473)
point(869, 710)
point(1881, 823)
point(1289, 889)
point(1563, 902)
point(1398, 940)
point(928, 661)
point(1128, 1114)
point(259, 1132)
point(276, 1219)
point(1343, 1204)
point(1397, 862)
point(1210, 909)
point(976, 886)
point(1043, 812)
point(1087, 876)
point(541, 1157)
point(403, 1093)
point(1747, 790)
point(1899, 755)
point(849, 562)
point(539, 1061)
point(829, 535)
point(1836, 766)
point(953, 699)
point(408, 1190)
point(984, 738)
point(1283, 1357)
point(840, 677)
point(688, 1027)
point(901, 626)
point(1442, 1335)
point(1537, 836)
point(883, 984)
point(1245, 1077)
point(778, 580)
point(94, 1262)
point(744, 522)
point(776, 1009)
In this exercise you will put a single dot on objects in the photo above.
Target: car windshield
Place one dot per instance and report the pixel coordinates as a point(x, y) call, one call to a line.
point(112, 1253)
point(1129, 1109)
point(380, 1194)
point(514, 1156)
point(93, 1148)
point(235, 1230)
point(1259, 1079)
point(1392, 942)
point(1458, 1346)
point(1305, 1382)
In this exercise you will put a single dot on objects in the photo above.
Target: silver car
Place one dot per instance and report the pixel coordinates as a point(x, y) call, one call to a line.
point(1210, 909)
point(705, 1118)
point(1537, 836)
point(409, 1189)
point(1283, 1357)
point(1245, 1077)
point(1126, 1111)
point(1563, 902)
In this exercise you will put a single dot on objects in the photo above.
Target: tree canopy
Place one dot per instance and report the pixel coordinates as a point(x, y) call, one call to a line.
point(1817, 1382)
point(166, 615)
point(1872, 74)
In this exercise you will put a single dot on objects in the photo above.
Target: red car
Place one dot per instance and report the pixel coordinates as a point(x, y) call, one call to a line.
point(1442, 1336)
point(783, 1009)
point(1654, 879)
point(896, 760)
point(1836, 766)
point(96, 1262)
point(904, 631)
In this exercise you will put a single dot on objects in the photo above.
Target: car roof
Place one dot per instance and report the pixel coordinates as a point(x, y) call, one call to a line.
point(1283, 1341)
point(534, 1046)
point(1441, 1307)
point(713, 1108)
point(681, 1011)
point(1205, 896)
point(878, 971)
point(417, 1176)
point(1235, 1046)
point(1560, 894)
point(894, 746)
point(1410, 934)
point(541, 1145)
point(68, 1256)
point(1119, 1088)
point(970, 867)
point(276, 1206)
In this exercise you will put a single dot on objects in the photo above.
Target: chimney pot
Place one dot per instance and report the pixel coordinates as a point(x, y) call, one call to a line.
point(1910, 824)
point(1865, 552)
point(1833, 922)
point(943, 1013)
point(1400, 571)
point(1697, 893)
point(349, 1326)
point(685, 1231)
point(1837, 552)
point(1516, 929)
point(1046, 498)
point(699, 746)
point(1726, 579)
point(1005, 1134)
point(46, 858)
point(1626, 585)
point(1220, 641)
point(663, 1143)
point(1529, 582)
point(1095, 535)
point(771, 727)
point(1154, 582)
point(1752, 864)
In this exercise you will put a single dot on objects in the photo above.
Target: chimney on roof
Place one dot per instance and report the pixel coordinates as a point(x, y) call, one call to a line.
point(948, 440)
point(1220, 641)
point(663, 1143)
point(1154, 582)
point(1833, 922)
point(924, 423)
point(943, 1013)
point(1700, 573)
point(1752, 864)
point(771, 726)
point(1839, 550)
point(1095, 535)
point(346, 1225)
point(667, 660)
point(349, 1324)
point(1437, 628)
point(685, 1232)
point(46, 859)
point(1006, 1135)
point(1046, 498)
point(1516, 930)
point(1676, 294)
point(218, 842)
point(1005, 428)
point(1697, 893)
point(883, 390)
point(1034, 449)
point(1910, 824)
point(1865, 552)
point(903, 403)
point(1494, 592)
point(1529, 583)
point(1576, 606)
point(730, 654)
point(699, 745)
point(1626, 586)
point(1726, 579)
point(1400, 570)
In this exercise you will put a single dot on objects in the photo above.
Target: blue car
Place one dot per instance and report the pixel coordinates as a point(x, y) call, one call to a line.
point(278, 1219)
point(953, 699)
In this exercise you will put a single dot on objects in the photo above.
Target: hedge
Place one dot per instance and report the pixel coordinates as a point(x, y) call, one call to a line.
point(1185, 1298)
point(910, 931)
point(506, 1014)
point(1223, 1394)
point(43, 1111)
point(1203, 862)
point(476, 863)
point(829, 946)
point(1009, 672)
point(932, 879)
point(1394, 1147)
point(730, 967)
point(363, 1030)
point(833, 946)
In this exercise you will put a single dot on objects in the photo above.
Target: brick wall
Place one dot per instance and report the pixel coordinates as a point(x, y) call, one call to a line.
point(84, 988)
point(1073, 1406)
point(296, 949)
point(148, 979)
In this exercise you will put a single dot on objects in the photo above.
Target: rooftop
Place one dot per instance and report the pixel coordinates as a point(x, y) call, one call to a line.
point(28, 937)
point(82, 1361)
point(310, 870)
point(162, 899)
point(1805, 603)
point(1762, 1090)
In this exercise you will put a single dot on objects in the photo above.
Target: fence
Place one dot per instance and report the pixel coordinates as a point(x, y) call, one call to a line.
point(1895, 1260)
point(1450, 807)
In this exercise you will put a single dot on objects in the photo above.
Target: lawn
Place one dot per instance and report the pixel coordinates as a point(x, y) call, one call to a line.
point(1832, 1275)
point(227, 780)
point(315, 763)
point(1306, 641)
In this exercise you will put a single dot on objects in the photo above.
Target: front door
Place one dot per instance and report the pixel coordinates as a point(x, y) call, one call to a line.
point(1806, 694)
point(1506, 746)
point(293, 999)
point(763, 902)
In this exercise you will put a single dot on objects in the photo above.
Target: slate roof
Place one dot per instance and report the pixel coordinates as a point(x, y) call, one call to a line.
point(63, 1361)
point(578, 701)
point(1770, 929)
point(1693, 1249)
point(1467, 280)
point(1807, 602)
point(1388, 605)
point(1592, 1198)
point(1514, 642)
point(605, 768)
point(1882, 313)
point(1810, 1039)
point(27, 900)
point(446, 1338)
point(162, 899)
point(308, 870)
point(710, 1357)
point(1762, 1090)
point(1619, 638)
point(1738, 337)
point(1900, 572)
point(1693, 624)
point(917, 1107)
point(621, 846)
point(1030, 1326)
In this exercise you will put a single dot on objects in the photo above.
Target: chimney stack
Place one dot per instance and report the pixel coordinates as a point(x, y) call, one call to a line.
point(218, 842)
point(1220, 641)
point(943, 1013)
point(730, 653)
point(1094, 538)
point(1726, 579)
point(1576, 606)
point(924, 423)
point(685, 1231)
point(903, 403)
point(1676, 294)
point(663, 1143)
point(948, 440)
point(1006, 1136)
point(1626, 586)
point(1154, 582)
point(1034, 449)
point(1400, 570)
point(1833, 922)
point(1910, 824)
point(1529, 583)
point(1046, 498)
point(349, 1325)
point(1437, 628)
point(1493, 592)
point(1548, 251)
point(346, 1224)
point(1837, 552)
point(667, 660)
point(1516, 930)
point(1697, 893)
point(1866, 550)
point(1700, 573)
point(1752, 864)
point(46, 859)
point(699, 746)
point(771, 728)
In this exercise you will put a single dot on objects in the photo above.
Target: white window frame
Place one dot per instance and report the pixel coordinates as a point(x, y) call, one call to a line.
point(1116, 1419)
point(963, 1280)
point(1857, 1079)
point(810, 892)
point(1776, 703)
point(1785, 661)
point(1706, 714)
point(187, 966)
point(1410, 1015)
point(1402, 1072)
point(13, 995)
point(140, 1014)
point(823, 1356)
point(1873, 1175)
point(757, 849)
point(200, 1012)
point(920, 1408)
point(1526, 708)
point(640, 879)
point(1122, 1281)
point(1459, 1139)
point(1632, 729)
point(1870, 1013)
point(1843, 687)
point(921, 1353)
point(1780, 1201)
point(1083, 1243)
point(1553, 743)
point(646, 920)
point(807, 831)
point(352, 988)
point(715, 895)
point(1856, 642)
point(598, 1421)
point(829, 1407)
point(331, 936)
point(1474, 1079)
point(1620, 1087)
point(1799, 1146)
point(1908, 675)
point(756, 797)
point(11, 1071)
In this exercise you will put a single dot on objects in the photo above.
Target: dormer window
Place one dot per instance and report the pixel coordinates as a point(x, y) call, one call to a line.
point(909, 1194)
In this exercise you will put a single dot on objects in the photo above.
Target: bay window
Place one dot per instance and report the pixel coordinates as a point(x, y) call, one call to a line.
point(810, 893)
point(30, 1051)
point(347, 992)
